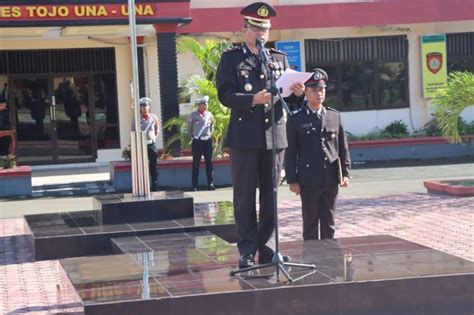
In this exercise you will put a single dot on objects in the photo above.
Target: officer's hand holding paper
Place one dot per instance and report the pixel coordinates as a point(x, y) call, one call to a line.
point(290, 77)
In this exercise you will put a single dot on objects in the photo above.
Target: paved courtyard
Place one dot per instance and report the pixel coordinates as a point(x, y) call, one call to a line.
point(442, 222)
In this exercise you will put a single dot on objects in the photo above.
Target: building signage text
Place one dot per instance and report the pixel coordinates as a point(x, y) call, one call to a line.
point(79, 11)
point(433, 63)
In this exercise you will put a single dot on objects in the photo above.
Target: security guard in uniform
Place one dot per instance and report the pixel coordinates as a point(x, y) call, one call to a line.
point(243, 86)
point(200, 127)
point(317, 159)
point(149, 124)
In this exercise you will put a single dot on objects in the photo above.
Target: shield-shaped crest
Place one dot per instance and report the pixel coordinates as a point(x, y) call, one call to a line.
point(434, 61)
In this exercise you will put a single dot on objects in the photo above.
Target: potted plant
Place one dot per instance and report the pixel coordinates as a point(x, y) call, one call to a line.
point(7, 161)
point(14, 180)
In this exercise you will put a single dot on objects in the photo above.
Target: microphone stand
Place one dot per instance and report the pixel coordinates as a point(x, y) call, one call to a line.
point(277, 259)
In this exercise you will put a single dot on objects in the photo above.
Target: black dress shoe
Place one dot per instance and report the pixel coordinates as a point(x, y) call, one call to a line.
point(211, 187)
point(246, 261)
point(194, 189)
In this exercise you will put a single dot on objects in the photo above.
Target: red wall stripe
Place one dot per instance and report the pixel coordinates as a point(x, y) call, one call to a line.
point(338, 15)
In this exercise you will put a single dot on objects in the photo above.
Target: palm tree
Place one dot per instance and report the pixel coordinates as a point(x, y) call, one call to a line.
point(450, 101)
point(208, 54)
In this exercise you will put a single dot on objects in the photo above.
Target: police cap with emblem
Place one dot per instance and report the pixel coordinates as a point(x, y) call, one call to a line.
point(258, 14)
point(319, 78)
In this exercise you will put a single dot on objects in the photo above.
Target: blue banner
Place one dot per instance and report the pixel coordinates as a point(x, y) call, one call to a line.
point(293, 50)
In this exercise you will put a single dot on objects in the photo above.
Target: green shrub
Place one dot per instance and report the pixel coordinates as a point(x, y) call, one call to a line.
point(396, 129)
point(127, 153)
point(7, 161)
point(431, 128)
point(465, 128)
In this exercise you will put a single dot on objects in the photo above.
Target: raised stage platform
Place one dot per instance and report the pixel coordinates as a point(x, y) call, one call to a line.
point(188, 273)
point(84, 233)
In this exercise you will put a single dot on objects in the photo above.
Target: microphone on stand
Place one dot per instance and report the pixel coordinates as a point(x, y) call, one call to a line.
point(259, 43)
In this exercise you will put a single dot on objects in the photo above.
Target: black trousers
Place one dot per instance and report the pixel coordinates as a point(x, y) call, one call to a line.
point(200, 148)
point(152, 150)
point(318, 208)
point(252, 169)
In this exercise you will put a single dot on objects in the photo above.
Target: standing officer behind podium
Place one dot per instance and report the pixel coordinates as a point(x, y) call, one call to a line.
point(317, 145)
point(243, 86)
point(200, 128)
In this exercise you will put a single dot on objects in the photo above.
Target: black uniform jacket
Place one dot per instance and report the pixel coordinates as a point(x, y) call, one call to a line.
point(314, 146)
point(240, 75)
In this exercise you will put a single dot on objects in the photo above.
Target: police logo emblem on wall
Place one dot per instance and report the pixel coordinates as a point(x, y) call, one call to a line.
point(434, 61)
point(248, 87)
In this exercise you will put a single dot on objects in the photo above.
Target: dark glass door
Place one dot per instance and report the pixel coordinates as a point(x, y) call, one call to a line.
point(52, 119)
point(32, 120)
point(72, 113)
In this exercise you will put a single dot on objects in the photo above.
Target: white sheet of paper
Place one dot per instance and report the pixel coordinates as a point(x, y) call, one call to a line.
point(289, 77)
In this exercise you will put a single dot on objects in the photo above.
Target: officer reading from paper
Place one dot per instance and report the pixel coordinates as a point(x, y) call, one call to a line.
point(243, 85)
point(200, 127)
point(317, 159)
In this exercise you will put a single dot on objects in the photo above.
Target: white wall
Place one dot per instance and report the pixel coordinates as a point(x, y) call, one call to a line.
point(153, 81)
point(361, 122)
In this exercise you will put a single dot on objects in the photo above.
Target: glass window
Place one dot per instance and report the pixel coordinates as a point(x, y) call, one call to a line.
point(461, 64)
point(460, 50)
point(391, 81)
point(106, 111)
point(365, 73)
point(357, 86)
point(331, 91)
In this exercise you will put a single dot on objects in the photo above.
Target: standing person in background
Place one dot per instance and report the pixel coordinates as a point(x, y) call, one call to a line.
point(242, 85)
point(4, 125)
point(317, 159)
point(200, 127)
point(150, 125)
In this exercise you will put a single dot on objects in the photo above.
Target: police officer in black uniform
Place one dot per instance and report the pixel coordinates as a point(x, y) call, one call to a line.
point(317, 159)
point(243, 86)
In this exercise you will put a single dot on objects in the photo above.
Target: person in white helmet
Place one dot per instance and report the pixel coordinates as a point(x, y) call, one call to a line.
point(200, 127)
point(150, 125)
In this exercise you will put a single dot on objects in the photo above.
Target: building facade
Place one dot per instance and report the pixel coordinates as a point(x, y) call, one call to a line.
point(65, 68)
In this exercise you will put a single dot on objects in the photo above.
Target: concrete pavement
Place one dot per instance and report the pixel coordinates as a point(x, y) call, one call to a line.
point(365, 182)
point(388, 200)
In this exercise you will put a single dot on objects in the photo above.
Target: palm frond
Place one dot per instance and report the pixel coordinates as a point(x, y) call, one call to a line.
point(182, 135)
point(178, 122)
point(449, 102)
point(208, 53)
